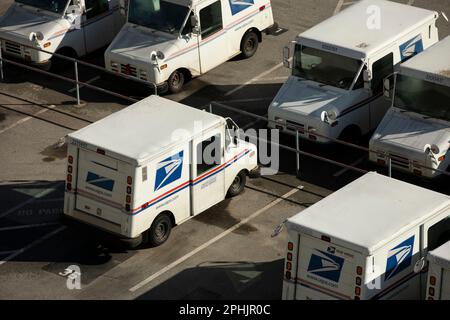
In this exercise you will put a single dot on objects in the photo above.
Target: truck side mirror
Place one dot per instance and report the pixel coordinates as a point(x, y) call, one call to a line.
point(194, 24)
point(286, 57)
point(367, 77)
point(123, 7)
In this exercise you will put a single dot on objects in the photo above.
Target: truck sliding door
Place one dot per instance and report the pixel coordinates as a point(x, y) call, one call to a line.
point(98, 24)
point(213, 48)
point(207, 171)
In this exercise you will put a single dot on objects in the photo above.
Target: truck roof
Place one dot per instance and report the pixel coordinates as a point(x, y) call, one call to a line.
point(146, 128)
point(441, 256)
point(434, 62)
point(369, 212)
point(348, 29)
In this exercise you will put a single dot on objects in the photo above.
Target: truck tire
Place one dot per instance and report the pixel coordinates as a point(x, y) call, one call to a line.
point(176, 81)
point(160, 230)
point(249, 44)
point(59, 64)
point(238, 184)
point(351, 134)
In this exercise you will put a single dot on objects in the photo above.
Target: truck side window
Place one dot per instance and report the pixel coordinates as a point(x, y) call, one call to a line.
point(211, 19)
point(96, 7)
point(360, 82)
point(188, 27)
point(380, 70)
point(208, 154)
point(439, 234)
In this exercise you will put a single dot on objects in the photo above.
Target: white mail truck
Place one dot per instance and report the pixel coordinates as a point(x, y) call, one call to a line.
point(368, 240)
point(165, 42)
point(439, 273)
point(415, 132)
point(338, 68)
point(69, 27)
point(153, 165)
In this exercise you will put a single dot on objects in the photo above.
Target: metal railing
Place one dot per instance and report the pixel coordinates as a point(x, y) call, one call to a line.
point(338, 141)
point(297, 150)
point(76, 64)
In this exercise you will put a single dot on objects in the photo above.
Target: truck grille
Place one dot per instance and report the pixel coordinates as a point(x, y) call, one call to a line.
point(128, 70)
point(13, 48)
point(399, 161)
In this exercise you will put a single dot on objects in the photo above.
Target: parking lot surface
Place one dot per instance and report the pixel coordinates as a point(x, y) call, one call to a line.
point(226, 252)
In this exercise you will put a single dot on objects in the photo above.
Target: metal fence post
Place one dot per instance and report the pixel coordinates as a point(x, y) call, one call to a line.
point(297, 147)
point(77, 84)
point(2, 76)
point(390, 167)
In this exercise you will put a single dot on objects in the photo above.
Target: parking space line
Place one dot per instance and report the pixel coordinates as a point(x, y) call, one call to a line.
point(29, 226)
point(344, 170)
point(3, 253)
point(31, 245)
point(88, 82)
point(338, 7)
point(15, 124)
point(214, 240)
point(261, 75)
point(34, 198)
point(281, 78)
point(244, 100)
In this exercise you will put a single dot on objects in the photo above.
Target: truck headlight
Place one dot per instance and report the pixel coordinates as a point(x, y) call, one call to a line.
point(280, 120)
point(114, 66)
point(143, 75)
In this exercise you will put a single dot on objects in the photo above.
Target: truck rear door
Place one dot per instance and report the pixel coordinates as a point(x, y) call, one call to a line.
point(101, 186)
point(324, 270)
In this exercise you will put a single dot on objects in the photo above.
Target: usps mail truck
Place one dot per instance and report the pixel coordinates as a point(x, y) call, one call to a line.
point(439, 273)
point(167, 41)
point(338, 68)
point(415, 132)
point(69, 27)
point(153, 165)
point(368, 240)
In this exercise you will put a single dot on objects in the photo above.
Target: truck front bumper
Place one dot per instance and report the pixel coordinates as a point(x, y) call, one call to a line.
point(255, 172)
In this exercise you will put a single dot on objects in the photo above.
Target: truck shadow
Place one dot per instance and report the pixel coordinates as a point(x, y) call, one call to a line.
point(32, 212)
point(218, 280)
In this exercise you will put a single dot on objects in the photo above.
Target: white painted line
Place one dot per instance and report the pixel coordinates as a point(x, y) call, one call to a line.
point(27, 118)
point(265, 73)
point(344, 170)
point(34, 198)
point(245, 100)
point(273, 79)
point(338, 7)
point(4, 253)
point(88, 82)
point(31, 245)
point(213, 240)
point(29, 226)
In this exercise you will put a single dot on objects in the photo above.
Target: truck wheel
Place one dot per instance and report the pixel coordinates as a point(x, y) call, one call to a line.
point(351, 134)
point(249, 44)
point(59, 64)
point(176, 81)
point(238, 184)
point(160, 230)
